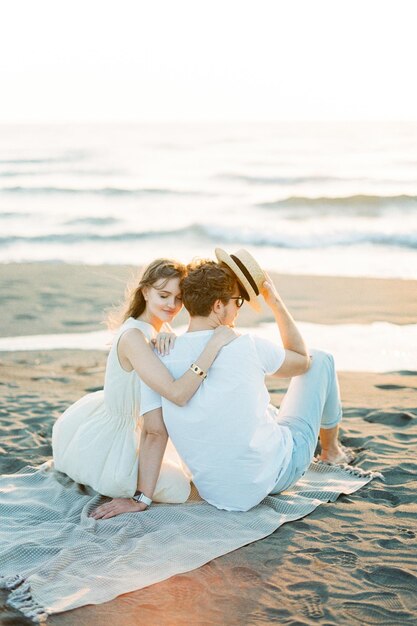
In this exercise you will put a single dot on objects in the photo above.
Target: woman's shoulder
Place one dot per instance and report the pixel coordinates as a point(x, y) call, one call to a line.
point(131, 325)
point(131, 334)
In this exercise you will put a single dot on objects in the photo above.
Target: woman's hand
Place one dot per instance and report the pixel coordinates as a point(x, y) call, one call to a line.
point(224, 335)
point(164, 342)
point(117, 506)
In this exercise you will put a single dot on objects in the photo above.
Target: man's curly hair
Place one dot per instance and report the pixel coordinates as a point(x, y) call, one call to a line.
point(205, 283)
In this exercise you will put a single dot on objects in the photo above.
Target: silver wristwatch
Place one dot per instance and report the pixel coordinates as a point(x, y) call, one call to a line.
point(140, 497)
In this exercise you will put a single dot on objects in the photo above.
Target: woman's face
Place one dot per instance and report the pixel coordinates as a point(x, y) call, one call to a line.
point(163, 299)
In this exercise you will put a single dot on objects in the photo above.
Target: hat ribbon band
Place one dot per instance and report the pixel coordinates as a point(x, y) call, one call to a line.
point(245, 273)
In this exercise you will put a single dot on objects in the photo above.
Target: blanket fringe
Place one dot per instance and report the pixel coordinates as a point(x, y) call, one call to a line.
point(353, 471)
point(11, 582)
point(21, 599)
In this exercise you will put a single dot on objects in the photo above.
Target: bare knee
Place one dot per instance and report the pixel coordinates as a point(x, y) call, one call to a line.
point(319, 356)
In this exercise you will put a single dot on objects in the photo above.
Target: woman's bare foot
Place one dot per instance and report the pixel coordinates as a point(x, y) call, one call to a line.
point(337, 455)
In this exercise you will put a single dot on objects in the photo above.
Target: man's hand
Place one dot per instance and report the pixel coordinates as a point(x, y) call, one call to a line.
point(269, 291)
point(117, 506)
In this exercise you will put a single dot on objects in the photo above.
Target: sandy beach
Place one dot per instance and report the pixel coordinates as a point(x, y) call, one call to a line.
point(349, 562)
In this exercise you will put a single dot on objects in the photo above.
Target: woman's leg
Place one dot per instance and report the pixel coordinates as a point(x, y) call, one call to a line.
point(311, 406)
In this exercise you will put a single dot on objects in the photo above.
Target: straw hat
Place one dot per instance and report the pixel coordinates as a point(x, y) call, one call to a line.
point(248, 272)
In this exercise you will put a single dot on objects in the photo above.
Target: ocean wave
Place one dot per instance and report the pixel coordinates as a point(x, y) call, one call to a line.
point(215, 234)
point(16, 173)
point(92, 221)
point(63, 158)
point(9, 215)
point(31, 161)
point(100, 191)
point(281, 180)
point(299, 180)
point(20, 173)
point(315, 240)
point(345, 202)
point(94, 237)
point(72, 238)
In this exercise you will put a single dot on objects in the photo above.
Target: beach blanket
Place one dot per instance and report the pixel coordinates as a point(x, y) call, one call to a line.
point(54, 557)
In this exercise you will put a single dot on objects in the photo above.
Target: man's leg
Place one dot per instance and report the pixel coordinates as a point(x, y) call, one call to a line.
point(331, 449)
point(311, 407)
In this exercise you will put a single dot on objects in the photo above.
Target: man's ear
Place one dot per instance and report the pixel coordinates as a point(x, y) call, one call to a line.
point(218, 306)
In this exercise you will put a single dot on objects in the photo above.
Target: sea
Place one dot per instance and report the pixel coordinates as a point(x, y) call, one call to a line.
point(305, 198)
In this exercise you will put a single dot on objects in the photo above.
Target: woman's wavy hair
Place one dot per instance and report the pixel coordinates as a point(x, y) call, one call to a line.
point(134, 303)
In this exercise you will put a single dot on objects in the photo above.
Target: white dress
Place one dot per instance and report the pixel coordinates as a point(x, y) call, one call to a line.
point(96, 440)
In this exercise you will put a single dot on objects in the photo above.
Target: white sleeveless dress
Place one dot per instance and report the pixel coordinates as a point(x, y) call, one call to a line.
point(96, 440)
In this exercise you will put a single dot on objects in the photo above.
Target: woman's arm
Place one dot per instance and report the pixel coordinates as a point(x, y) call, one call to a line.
point(152, 446)
point(153, 441)
point(134, 347)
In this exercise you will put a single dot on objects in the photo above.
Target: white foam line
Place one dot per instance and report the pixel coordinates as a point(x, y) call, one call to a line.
point(377, 347)
point(99, 340)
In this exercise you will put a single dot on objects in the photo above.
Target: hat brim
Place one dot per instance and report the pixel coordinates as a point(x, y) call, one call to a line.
point(223, 257)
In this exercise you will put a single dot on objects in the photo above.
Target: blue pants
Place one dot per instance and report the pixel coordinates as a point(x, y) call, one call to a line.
point(311, 402)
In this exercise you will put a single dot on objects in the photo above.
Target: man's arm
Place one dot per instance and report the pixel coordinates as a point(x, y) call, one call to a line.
point(297, 359)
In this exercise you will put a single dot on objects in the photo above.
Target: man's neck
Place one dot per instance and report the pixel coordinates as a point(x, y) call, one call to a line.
point(202, 323)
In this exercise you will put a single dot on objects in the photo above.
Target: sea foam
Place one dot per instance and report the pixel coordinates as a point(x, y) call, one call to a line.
point(376, 347)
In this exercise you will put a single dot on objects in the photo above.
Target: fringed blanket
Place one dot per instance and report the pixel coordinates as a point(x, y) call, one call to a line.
point(53, 557)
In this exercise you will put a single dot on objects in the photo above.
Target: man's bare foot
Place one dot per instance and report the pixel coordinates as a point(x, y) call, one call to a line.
point(337, 455)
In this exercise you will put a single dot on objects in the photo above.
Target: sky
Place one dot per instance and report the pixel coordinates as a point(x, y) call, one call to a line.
point(189, 60)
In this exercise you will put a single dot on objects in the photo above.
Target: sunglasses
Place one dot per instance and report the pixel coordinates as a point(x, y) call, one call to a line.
point(239, 300)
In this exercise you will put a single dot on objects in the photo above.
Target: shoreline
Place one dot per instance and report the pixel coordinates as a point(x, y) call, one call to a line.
point(375, 347)
point(41, 298)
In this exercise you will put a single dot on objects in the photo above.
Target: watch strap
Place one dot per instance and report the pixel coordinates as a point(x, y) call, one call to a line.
point(140, 497)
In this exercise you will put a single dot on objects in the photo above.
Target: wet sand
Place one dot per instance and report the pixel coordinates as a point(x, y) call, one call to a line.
point(349, 562)
point(39, 298)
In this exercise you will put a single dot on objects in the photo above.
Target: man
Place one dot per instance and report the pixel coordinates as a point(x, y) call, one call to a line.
point(236, 445)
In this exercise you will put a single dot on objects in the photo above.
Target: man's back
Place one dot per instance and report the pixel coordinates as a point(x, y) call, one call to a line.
point(227, 434)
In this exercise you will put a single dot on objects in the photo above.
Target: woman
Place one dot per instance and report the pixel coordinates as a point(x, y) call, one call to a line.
point(95, 441)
